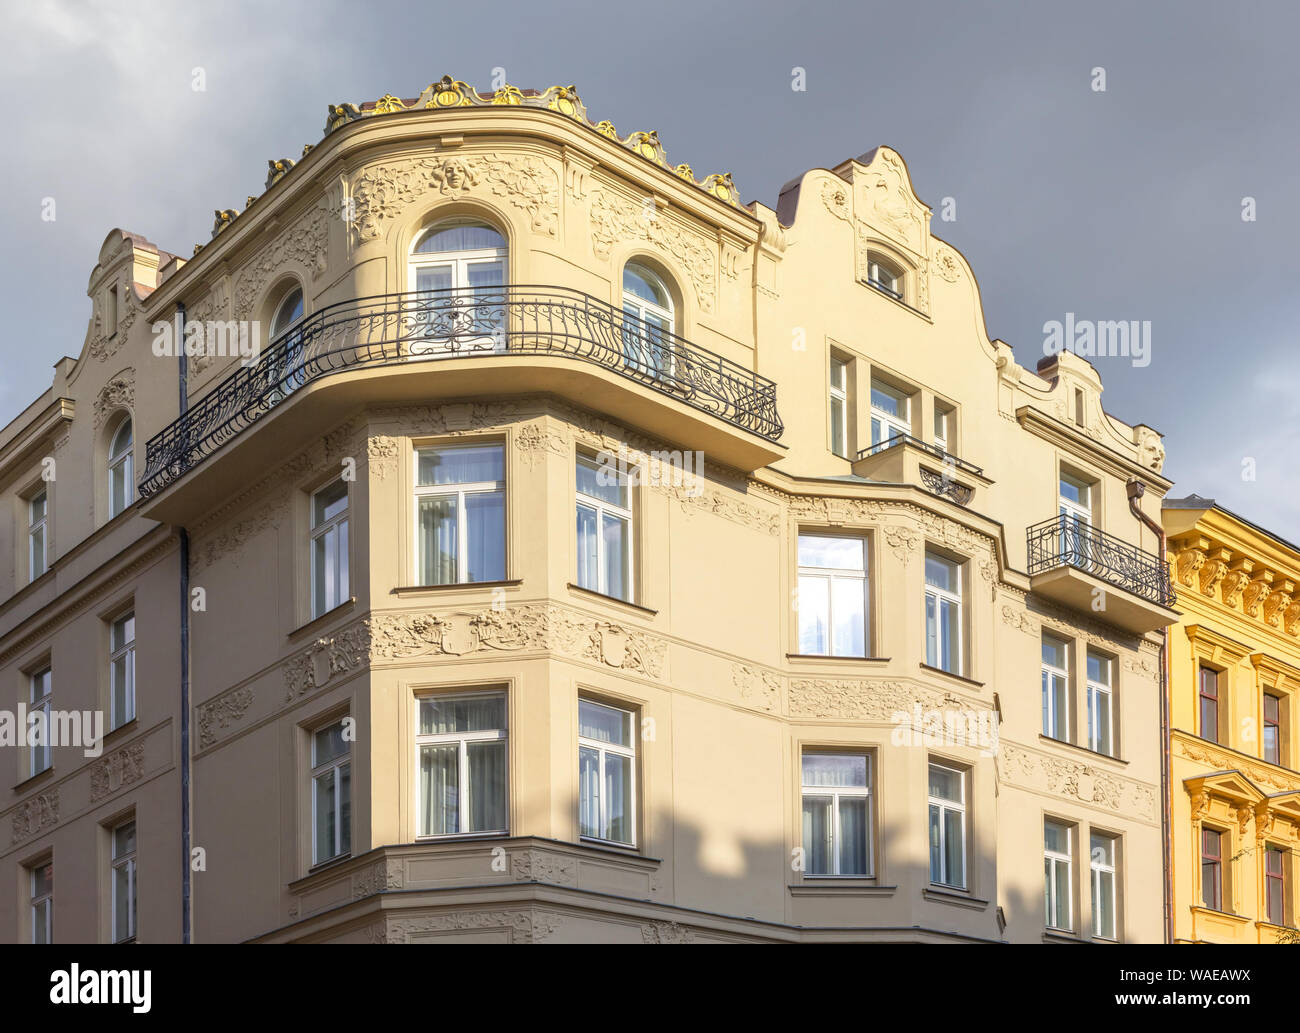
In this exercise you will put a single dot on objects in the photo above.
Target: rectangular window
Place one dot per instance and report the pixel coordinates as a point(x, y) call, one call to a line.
point(329, 547)
point(1209, 700)
point(1212, 869)
point(331, 793)
point(890, 412)
point(1056, 687)
point(1057, 888)
point(1272, 728)
point(606, 773)
point(947, 827)
point(37, 511)
point(832, 595)
point(1075, 508)
point(40, 687)
point(1100, 710)
point(839, 402)
point(460, 750)
point(42, 887)
point(604, 529)
point(1102, 863)
point(942, 421)
point(942, 613)
point(121, 669)
point(837, 813)
point(460, 511)
point(1275, 884)
point(124, 885)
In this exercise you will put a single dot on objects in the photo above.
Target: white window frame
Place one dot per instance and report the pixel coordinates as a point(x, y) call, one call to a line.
point(336, 766)
point(603, 748)
point(1097, 689)
point(641, 308)
point(126, 652)
point(1050, 672)
point(124, 462)
point(463, 739)
point(459, 491)
point(890, 426)
point(885, 275)
point(942, 595)
point(125, 861)
point(945, 805)
point(339, 524)
point(1054, 859)
point(602, 507)
point(839, 396)
point(38, 899)
point(831, 575)
point(460, 262)
point(38, 525)
point(1098, 867)
point(942, 427)
point(1082, 512)
point(43, 677)
point(835, 792)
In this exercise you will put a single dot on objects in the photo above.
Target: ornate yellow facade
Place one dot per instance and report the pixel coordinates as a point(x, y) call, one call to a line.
point(1234, 689)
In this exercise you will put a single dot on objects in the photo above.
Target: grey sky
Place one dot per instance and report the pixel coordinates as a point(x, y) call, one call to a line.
point(1117, 205)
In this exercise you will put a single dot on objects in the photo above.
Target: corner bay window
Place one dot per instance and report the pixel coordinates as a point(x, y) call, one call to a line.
point(832, 600)
point(1057, 887)
point(331, 796)
point(460, 514)
point(604, 529)
point(329, 547)
point(943, 619)
point(461, 763)
point(606, 773)
point(947, 827)
point(837, 813)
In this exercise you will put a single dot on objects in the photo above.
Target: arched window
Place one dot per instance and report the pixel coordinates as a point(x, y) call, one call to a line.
point(288, 347)
point(884, 275)
point(649, 322)
point(121, 483)
point(288, 312)
point(458, 270)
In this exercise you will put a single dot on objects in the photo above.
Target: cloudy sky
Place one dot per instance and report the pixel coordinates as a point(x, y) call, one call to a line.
point(1122, 204)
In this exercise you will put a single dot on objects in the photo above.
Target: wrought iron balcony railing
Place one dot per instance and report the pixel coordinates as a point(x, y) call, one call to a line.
point(423, 326)
point(1069, 542)
point(934, 450)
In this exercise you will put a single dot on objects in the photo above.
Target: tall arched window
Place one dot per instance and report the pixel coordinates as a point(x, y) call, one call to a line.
point(648, 326)
point(458, 270)
point(287, 315)
point(121, 483)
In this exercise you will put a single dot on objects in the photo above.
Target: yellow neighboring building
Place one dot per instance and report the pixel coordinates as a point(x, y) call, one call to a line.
point(1235, 684)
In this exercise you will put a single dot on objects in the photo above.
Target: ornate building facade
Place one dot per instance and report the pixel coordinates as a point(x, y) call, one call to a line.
point(1235, 675)
point(583, 555)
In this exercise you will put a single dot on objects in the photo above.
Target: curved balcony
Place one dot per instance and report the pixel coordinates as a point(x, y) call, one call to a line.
point(429, 326)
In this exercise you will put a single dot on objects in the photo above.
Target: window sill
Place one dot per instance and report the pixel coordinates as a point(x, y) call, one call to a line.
point(302, 629)
point(839, 886)
point(402, 591)
point(120, 732)
point(1060, 936)
point(608, 844)
point(332, 862)
point(955, 897)
point(634, 607)
point(955, 677)
point(28, 783)
point(1075, 746)
point(832, 658)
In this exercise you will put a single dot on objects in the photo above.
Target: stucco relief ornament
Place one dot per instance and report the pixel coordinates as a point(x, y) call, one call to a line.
point(453, 176)
point(945, 264)
point(1188, 563)
point(1254, 593)
point(1234, 587)
point(118, 393)
point(835, 195)
point(1152, 451)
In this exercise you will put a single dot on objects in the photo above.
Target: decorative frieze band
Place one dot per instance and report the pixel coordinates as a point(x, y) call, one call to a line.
point(1087, 783)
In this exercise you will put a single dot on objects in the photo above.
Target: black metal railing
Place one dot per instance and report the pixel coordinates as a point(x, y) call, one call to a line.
point(934, 450)
point(425, 326)
point(1069, 542)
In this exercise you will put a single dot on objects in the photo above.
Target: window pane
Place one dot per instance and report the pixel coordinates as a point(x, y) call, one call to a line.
point(438, 540)
point(1209, 719)
point(931, 630)
point(325, 810)
point(328, 743)
point(618, 796)
point(324, 549)
point(461, 465)
point(1056, 838)
point(848, 604)
point(122, 703)
point(1074, 491)
point(940, 573)
point(1101, 708)
point(853, 835)
point(460, 237)
point(945, 784)
point(485, 518)
point(1103, 905)
point(954, 847)
point(645, 285)
point(599, 481)
point(1054, 652)
point(834, 769)
point(42, 880)
point(38, 552)
point(487, 786)
point(345, 808)
point(440, 790)
point(588, 550)
point(1061, 895)
point(588, 792)
point(888, 400)
point(837, 426)
point(617, 557)
point(440, 716)
point(123, 909)
point(948, 635)
point(936, 844)
point(124, 839)
point(605, 724)
point(817, 828)
point(41, 923)
point(329, 502)
point(817, 550)
point(1098, 669)
point(123, 631)
point(433, 278)
point(814, 615)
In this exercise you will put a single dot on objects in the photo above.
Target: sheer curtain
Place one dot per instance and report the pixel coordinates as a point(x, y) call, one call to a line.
point(438, 537)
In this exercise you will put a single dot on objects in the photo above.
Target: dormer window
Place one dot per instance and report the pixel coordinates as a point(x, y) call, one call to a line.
point(885, 276)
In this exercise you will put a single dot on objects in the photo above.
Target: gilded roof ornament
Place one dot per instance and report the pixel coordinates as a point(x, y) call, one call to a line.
point(720, 185)
point(340, 115)
point(447, 93)
point(275, 170)
point(648, 146)
point(508, 95)
point(685, 172)
point(225, 217)
point(388, 104)
point(564, 99)
point(606, 128)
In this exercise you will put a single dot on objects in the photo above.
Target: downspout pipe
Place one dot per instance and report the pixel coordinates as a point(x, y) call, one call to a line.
point(184, 538)
point(1136, 489)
